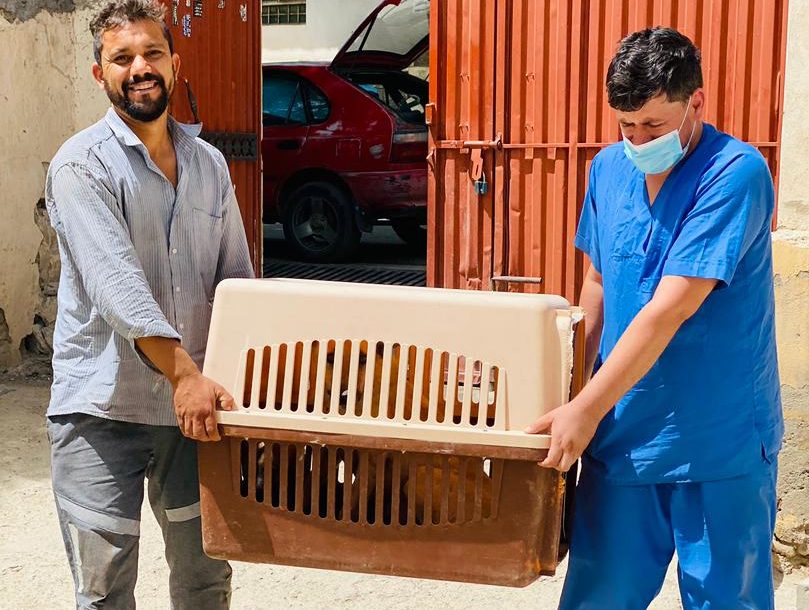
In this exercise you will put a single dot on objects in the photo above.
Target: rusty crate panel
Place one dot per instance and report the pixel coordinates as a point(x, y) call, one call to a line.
point(328, 505)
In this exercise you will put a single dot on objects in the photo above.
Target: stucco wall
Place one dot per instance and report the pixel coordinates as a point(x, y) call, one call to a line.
point(793, 203)
point(47, 54)
point(791, 261)
point(89, 103)
point(38, 60)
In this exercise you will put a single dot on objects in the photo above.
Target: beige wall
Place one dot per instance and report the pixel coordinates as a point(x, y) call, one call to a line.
point(90, 103)
point(34, 120)
point(47, 59)
point(791, 262)
point(793, 203)
point(791, 240)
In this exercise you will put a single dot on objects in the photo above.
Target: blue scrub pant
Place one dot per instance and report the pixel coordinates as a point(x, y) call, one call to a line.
point(624, 537)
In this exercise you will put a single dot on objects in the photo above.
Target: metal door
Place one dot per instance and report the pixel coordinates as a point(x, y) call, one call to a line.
point(542, 65)
point(219, 43)
point(461, 123)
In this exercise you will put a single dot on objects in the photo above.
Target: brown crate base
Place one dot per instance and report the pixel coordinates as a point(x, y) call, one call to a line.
point(406, 513)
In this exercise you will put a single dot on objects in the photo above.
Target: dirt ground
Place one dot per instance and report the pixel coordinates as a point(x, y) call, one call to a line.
point(34, 573)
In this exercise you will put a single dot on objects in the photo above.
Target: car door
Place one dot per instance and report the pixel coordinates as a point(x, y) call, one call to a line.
point(285, 129)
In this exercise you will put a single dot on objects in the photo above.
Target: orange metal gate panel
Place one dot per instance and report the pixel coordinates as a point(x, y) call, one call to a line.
point(219, 43)
point(461, 88)
point(541, 87)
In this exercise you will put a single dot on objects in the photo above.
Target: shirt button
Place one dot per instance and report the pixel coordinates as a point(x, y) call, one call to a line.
point(182, 326)
point(174, 250)
point(177, 289)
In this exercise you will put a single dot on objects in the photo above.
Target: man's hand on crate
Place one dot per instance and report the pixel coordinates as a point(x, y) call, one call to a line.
point(573, 425)
point(571, 428)
point(196, 397)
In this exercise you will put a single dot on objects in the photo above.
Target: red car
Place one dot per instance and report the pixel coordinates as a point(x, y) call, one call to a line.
point(345, 144)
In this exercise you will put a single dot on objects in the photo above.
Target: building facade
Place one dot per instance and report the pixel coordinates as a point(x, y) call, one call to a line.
point(308, 30)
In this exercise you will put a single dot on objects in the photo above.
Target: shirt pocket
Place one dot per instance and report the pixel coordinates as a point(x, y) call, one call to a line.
point(208, 231)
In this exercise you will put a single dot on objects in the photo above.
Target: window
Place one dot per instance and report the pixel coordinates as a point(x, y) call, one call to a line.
point(275, 12)
point(403, 93)
point(318, 104)
point(283, 101)
point(290, 100)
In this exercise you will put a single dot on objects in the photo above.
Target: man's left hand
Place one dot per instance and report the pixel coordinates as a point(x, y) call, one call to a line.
point(571, 427)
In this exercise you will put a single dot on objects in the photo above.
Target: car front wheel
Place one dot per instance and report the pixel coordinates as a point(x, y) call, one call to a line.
point(319, 223)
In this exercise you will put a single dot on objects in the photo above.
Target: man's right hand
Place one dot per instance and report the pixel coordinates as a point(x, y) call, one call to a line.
point(195, 401)
point(195, 396)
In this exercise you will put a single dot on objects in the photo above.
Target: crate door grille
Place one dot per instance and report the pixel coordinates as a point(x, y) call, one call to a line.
point(373, 380)
point(368, 487)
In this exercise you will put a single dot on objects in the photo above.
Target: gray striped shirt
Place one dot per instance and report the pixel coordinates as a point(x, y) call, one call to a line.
point(139, 259)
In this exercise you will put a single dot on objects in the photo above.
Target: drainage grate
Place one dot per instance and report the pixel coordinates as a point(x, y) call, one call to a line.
point(366, 274)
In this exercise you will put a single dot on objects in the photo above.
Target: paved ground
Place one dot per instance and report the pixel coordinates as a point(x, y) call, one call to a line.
point(34, 573)
point(380, 247)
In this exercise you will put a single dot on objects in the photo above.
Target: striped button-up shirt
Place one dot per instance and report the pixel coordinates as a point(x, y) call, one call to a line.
point(139, 259)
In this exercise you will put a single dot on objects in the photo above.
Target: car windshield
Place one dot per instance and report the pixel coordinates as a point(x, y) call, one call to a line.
point(396, 29)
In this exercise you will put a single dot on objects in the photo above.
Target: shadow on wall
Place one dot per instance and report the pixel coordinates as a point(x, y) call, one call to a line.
point(6, 348)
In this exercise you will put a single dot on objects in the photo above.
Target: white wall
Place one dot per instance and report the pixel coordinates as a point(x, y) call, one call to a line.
point(328, 25)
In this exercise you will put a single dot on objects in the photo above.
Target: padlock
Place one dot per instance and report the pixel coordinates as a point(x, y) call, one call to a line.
point(481, 186)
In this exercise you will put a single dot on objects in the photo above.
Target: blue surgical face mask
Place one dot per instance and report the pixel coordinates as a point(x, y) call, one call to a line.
point(660, 154)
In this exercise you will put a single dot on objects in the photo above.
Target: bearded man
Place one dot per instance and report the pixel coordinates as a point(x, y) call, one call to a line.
point(148, 224)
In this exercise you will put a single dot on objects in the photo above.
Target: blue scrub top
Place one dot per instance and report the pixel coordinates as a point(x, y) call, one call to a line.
point(711, 403)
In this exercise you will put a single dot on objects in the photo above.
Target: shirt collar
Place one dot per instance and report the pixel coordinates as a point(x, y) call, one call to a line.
point(183, 134)
point(121, 130)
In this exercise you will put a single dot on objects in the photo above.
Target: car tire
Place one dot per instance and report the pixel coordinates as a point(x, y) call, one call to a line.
point(319, 223)
point(411, 231)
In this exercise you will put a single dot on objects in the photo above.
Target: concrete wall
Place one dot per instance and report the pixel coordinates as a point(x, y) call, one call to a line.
point(791, 260)
point(89, 103)
point(328, 25)
point(38, 59)
point(47, 56)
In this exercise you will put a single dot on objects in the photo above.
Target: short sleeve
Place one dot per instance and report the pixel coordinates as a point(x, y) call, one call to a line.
point(587, 232)
point(733, 207)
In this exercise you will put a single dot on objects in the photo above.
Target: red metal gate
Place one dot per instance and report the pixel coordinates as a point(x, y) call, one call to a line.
point(219, 43)
point(517, 90)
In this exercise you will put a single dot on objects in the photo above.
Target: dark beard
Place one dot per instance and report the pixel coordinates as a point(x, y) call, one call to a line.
point(145, 111)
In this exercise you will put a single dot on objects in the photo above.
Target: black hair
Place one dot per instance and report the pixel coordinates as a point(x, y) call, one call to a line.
point(652, 62)
point(120, 12)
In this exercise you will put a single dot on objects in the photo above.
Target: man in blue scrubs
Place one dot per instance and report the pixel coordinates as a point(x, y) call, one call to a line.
point(680, 426)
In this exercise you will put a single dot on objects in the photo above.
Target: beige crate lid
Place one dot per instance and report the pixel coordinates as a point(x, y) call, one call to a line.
point(424, 364)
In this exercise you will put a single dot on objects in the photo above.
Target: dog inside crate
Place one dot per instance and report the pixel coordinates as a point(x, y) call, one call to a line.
point(297, 383)
point(364, 485)
point(368, 486)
